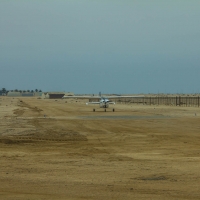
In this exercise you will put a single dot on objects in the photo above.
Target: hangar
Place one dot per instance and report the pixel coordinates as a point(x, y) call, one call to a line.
point(53, 95)
point(14, 94)
point(27, 94)
point(20, 94)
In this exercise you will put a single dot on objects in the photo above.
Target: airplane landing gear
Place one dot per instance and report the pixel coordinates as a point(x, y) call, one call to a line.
point(113, 110)
point(105, 110)
point(93, 110)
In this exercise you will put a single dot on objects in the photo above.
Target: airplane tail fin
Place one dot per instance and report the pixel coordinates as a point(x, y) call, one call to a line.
point(100, 94)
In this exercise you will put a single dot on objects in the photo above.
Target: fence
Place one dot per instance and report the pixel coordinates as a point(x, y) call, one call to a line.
point(171, 101)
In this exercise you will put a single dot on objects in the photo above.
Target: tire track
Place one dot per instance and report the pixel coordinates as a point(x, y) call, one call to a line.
point(32, 139)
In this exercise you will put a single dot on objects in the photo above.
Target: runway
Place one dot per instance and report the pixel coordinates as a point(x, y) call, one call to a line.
point(55, 150)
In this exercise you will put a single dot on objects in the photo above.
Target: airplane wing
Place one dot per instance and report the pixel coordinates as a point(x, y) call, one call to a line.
point(111, 102)
point(92, 103)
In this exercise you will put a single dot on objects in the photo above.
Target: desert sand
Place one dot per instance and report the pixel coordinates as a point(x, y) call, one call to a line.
point(58, 149)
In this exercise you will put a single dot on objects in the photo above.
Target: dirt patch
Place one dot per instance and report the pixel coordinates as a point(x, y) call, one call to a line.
point(18, 112)
point(14, 141)
point(153, 178)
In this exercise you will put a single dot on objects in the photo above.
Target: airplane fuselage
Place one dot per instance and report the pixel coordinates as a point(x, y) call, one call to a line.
point(104, 103)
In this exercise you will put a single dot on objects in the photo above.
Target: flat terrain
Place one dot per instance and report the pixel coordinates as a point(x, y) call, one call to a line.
point(58, 149)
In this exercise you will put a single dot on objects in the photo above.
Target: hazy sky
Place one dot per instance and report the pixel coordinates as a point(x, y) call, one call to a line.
point(112, 46)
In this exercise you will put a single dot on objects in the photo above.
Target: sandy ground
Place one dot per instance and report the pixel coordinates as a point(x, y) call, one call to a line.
point(58, 149)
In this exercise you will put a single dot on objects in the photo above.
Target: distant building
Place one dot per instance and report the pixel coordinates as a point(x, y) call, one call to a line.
point(27, 94)
point(1, 93)
point(45, 95)
point(14, 94)
point(69, 94)
point(38, 94)
point(53, 95)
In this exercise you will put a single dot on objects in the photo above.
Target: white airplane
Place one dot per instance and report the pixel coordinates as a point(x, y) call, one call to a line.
point(103, 102)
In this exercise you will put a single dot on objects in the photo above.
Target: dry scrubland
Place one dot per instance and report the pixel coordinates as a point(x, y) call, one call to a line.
point(137, 152)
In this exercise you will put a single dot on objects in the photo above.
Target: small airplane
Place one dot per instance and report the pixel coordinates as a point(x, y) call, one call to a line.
point(103, 102)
